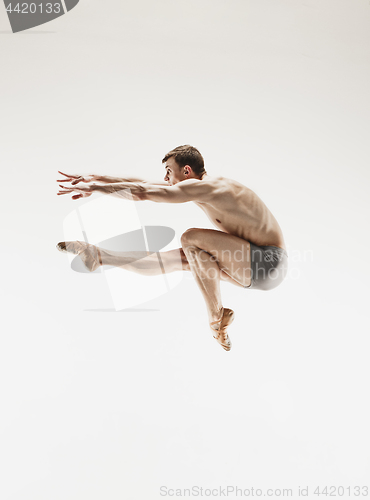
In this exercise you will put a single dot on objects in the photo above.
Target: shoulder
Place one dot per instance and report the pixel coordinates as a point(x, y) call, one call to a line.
point(199, 188)
point(221, 185)
point(205, 183)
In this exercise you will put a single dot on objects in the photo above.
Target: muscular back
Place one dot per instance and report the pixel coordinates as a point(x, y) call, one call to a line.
point(236, 209)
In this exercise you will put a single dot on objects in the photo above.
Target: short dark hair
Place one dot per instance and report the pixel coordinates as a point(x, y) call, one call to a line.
point(187, 155)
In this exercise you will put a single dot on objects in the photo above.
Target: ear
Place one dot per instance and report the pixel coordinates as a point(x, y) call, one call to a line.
point(187, 169)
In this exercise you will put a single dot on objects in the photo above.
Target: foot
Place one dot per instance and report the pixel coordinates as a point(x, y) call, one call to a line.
point(219, 328)
point(89, 254)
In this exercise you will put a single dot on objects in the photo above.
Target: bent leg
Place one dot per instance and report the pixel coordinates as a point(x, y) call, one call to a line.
point(214, 255)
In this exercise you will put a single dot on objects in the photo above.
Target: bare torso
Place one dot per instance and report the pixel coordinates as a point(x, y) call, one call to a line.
point(237, 210)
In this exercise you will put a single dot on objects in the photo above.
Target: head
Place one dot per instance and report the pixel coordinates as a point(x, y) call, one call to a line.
point(183, 162)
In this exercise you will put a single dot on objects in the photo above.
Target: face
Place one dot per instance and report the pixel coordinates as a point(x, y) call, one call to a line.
point(174, 173)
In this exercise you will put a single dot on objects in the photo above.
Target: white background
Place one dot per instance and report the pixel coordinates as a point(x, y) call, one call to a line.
point(98, 404)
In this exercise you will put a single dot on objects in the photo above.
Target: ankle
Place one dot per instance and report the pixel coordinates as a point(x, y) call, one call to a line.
point(216, 316)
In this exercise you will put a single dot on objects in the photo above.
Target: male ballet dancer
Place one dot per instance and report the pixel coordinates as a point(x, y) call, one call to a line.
point(247, 249)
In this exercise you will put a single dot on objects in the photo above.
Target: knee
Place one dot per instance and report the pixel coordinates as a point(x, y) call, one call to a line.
point(184, 261)
point(189, 238)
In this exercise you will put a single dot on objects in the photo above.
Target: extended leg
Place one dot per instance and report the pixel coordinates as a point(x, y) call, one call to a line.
point(148, 265)
point(138, 262)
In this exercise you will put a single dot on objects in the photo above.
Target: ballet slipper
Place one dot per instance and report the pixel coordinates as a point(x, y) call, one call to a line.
point(220, 334)
point(89, 254)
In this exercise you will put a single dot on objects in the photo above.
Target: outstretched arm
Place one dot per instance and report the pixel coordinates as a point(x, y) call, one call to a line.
point(105, 179)
point(182, 192)
point(189, 190)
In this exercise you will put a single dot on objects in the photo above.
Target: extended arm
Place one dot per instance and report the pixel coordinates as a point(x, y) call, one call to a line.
point(105, 179)
point(189, 190)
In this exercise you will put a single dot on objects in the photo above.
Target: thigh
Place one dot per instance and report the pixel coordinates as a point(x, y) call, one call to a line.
point(175, 260)
point(228, 279)
point(230, 252)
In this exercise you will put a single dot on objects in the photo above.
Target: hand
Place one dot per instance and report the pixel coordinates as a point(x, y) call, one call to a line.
point(75, 179)
point(83, 191)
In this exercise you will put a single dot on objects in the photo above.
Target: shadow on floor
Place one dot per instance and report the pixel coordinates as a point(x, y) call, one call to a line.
point(122, 310)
